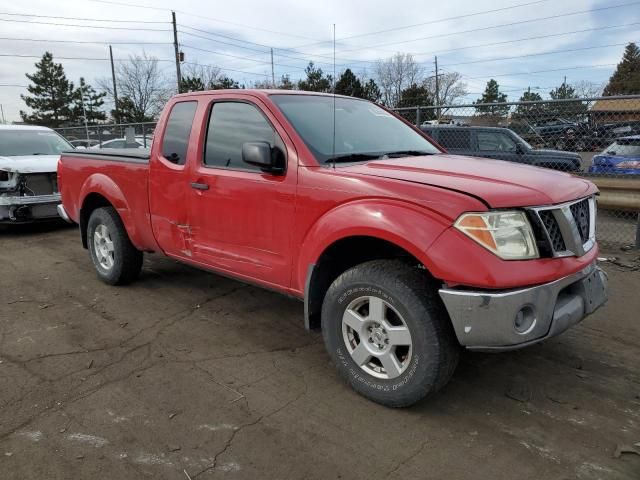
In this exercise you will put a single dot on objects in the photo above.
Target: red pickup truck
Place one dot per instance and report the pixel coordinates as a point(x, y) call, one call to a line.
point(401, 253)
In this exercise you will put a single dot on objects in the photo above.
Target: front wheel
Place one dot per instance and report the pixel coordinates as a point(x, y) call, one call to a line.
point(388, 333)
point(114, 257)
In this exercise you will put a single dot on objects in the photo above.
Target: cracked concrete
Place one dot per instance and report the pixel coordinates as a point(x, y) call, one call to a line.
point(186, 371)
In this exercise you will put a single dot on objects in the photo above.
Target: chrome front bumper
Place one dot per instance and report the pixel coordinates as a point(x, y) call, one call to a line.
point(18, 209)
point(506, 320)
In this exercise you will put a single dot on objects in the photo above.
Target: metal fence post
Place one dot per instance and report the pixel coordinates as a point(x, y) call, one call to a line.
point(418, 111)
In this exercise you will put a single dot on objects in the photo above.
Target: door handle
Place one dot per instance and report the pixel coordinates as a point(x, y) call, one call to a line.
point(199, 186)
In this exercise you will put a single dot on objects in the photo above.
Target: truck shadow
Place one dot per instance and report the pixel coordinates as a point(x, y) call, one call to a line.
point(33, 229)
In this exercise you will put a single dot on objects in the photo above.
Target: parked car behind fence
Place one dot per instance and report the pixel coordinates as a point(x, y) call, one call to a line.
point(622, 157)
point(500, 144)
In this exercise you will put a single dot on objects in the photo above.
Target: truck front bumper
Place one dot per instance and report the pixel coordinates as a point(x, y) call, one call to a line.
point(511, 319)
point(23, 209)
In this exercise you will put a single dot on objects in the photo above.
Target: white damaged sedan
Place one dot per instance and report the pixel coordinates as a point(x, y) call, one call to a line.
point(28, 181)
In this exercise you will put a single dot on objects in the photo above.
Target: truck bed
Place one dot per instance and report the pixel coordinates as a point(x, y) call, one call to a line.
point(114, 154)
point(121, 175)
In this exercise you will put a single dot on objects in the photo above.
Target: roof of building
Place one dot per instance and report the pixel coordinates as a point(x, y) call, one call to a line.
point(617, 105)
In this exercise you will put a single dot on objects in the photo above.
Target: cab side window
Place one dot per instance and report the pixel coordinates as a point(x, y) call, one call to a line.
point(495, 141)
point(176, 135)
point(232, 124)
point(454, 139)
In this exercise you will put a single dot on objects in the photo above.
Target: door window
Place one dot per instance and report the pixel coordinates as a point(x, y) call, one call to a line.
point(176, 135)
point(495, 141)
point(231, 125)
point(454, 139)
point(114, 144)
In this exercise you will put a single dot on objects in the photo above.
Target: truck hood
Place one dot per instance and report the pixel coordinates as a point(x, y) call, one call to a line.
point(498, 183)
point(30, 164)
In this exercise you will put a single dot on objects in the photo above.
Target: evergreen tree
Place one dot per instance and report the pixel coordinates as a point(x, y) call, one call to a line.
point(128, 112)
point(51, 94)
point(492, 94)
point(563, 92)
point(529, 112)
point(349, 84)
point(315, 81)
point(224, 83)
point(566, 110)
point(371, 91)
point(626, 79)
point(415, 95)
point(93, 102)
point(192, 84)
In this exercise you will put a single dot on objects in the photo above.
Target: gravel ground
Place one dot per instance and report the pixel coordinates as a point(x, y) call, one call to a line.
point(186, 371)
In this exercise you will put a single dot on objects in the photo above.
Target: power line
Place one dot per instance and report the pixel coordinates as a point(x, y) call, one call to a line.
point(77, 18)
point(480, 29)
point(12, 85)
point(541, 71)
point(238, 57)
point(14, 55)
point(230, 70)
point(538, 37)
point(133, 5)
point(85, 26)
point(221, 42)
point(431, 22)
point(553, 52)
point(82, 41)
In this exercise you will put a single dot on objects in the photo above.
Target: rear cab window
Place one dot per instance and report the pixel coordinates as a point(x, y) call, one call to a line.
point(176, 136)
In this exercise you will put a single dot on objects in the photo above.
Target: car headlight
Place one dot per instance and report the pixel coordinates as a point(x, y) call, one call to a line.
point(629, 164)
point(508, 234)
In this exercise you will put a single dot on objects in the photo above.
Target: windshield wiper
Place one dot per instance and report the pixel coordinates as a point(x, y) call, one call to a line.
point(353, 157)
point(406, 153)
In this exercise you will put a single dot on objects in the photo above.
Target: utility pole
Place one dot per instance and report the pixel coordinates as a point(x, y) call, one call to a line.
point(115, 89)
point(273, 75)
point(437, 99)
point(175, 46)
point(2, 111)
point(84, 111)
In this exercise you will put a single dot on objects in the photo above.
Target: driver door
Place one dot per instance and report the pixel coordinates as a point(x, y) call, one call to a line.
point(242, 217)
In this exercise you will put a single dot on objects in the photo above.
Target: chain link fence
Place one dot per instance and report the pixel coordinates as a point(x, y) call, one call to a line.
point(598, 138)
point(124, 135)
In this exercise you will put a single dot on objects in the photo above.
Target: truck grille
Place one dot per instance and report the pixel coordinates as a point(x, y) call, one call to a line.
point(35, 184)
point(565, 230)
point(580, 212)
point(553, 230)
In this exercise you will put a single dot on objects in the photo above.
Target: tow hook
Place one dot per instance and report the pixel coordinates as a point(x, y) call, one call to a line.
point(22, 212)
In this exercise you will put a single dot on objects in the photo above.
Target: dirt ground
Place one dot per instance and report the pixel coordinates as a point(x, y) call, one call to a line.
point(186, 371)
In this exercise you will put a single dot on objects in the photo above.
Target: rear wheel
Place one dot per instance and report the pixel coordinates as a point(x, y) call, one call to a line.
point(388, 333)
point(114, 257)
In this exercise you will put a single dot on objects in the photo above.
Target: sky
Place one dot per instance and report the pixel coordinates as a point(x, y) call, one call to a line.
point(520, 43)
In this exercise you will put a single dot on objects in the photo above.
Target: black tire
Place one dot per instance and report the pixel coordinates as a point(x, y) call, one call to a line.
point(413, 295)
point(127, 260)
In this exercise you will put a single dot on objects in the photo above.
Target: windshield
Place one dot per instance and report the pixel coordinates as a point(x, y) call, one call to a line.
point(15, 143)
point(624, 147)
point(363, 131)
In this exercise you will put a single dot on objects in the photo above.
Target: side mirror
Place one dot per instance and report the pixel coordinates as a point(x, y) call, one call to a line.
point(520, 148)
point(261, 155)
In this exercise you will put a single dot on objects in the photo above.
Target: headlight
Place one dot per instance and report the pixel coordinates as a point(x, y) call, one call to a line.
point(507, 234)
point(630, 164)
